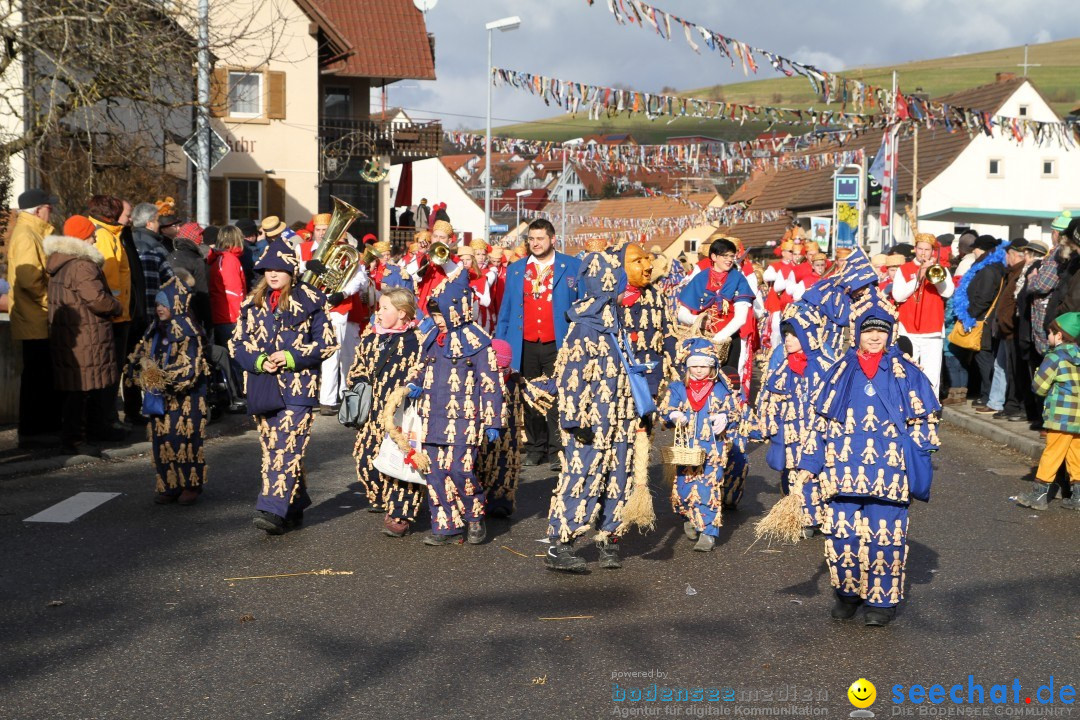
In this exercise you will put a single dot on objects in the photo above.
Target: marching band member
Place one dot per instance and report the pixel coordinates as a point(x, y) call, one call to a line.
point(428, 271)
point(921, 302)
point(281, 341)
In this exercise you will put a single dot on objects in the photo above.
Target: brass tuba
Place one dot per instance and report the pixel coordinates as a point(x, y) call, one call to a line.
point(341, 259)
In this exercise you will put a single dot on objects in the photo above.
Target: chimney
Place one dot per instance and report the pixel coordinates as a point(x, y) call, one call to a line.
point(1002, 77)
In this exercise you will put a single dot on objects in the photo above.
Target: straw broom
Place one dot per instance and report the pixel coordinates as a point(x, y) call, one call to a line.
point(639, 505)
point(783, 523)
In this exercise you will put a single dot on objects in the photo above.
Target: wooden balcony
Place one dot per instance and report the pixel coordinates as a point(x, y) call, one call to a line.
point(362, 139)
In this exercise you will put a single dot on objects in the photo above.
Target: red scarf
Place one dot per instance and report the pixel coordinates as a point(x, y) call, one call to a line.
point(630, 296)
point(869, 362)
point(441, 339)
point(797, 362)
point(697, 392)
point(274, 297)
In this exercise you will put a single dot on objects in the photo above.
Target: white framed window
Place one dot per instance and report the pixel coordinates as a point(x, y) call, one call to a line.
point(245, 199)
point(995, 168)
point(1023, 110)
point(245, 94)
point(1049, 168)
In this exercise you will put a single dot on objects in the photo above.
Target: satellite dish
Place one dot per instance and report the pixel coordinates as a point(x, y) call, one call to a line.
point(424, 5)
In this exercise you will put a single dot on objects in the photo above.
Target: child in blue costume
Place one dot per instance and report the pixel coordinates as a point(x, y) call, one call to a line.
point(169, 363)
point(785, 413)
point(598, 420)
point(704, 401)
point(283, 335)
point(461, 404)
point(869, 447)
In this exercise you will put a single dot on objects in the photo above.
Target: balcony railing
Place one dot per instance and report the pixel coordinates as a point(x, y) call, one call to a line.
point(399, 140)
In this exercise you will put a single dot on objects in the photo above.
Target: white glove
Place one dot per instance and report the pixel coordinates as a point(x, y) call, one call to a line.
point(678, 417)
point(719, 422)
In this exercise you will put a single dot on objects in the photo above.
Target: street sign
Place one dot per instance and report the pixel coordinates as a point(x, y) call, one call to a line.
point(847, 188)
point(218, 148)
point(498, 228)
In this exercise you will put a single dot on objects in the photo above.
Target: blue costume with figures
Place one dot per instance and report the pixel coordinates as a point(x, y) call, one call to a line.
point(647, 323)
point(597, 414)
point(869, 448)
point(461, 405)
point(295, 323)
point(711, 412)
point(169, 364)
point(784, 414)
point(512, 310)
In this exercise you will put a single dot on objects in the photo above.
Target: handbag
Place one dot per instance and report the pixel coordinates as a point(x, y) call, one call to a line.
point(639, 384)
point(356, 402)
point(390, 460)
point(264, 394)
point(153, 404)
point(972, 339)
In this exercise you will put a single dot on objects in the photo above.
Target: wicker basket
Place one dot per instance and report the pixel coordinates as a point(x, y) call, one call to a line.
point(685, 451)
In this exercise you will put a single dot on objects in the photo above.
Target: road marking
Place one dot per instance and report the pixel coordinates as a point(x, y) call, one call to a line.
point(73, 508)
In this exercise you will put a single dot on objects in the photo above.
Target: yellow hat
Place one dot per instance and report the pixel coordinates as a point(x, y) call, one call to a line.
point(383, 247)
point(444, 227)
point(496, 253)
point(479, 245)
point(321, 219)
point(465, 251)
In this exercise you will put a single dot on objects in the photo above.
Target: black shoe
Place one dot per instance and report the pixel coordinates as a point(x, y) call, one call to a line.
point(108, 434)
point(879, 616)
point(79, 448)
point(533, 459)
point(497, 513)
point(556, 466)
point(165, 499)
point(560, 556)
point(845, 607)
point(978, 403)
point(438, 540)
point(33, 442)
point(1000, 415)
point(609, 555)
point(1016, 418)
point(376, 508)
point(327, 410)
point(269, 522)
point(295, 520)
point(136, 420)
point(237, 407)
point(477, 532)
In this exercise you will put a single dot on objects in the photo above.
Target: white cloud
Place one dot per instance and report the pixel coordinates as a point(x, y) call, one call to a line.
point(819, 59)
point(1043, 36)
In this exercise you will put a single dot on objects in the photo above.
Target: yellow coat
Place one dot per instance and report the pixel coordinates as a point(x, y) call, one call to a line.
point(26, 274)
point(117, 270)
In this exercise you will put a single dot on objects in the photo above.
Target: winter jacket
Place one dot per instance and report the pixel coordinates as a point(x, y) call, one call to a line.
point(81, 308)
point(152, 258)
point(1066, 296)
point(138, 307)
point(228, 285)
point(117, 265)
point(29, 309)
point(1058, 378)
point(981, 292)
point(1005, 312)
point(191, 257)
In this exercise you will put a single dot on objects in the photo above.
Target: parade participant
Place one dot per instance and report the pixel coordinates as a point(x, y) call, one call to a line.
point(599, 422)
point(461, 404)
point(481, 282)
point(724, 295)
point(1058, 379)
point(384, 360)
point(921, 303)
point(169, 364)
point(784, 412)
point(644, 316)
point(538, 293)
point(776, 277)
point(831, 300)
point(430, 271)
point(704, 404)
point(816, 269)
point(281, 341)
point(498, 260)
point(871, 453)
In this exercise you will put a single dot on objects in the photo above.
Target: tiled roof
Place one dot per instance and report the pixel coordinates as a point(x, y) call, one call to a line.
point(758, 234)
point(388, 37)
point(455, 162)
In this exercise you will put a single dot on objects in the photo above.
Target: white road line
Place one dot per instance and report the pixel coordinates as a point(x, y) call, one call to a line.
point(74, 507)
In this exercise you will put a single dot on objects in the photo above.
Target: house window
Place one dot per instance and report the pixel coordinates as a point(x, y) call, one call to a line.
point(245, 199)
point(1049, 168)
point(245, 94)
point(994, 168)
point(337, 103)
point(1023, 110)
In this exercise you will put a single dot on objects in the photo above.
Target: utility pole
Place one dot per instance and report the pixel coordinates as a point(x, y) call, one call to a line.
point(1026, 64)
point(202, 171)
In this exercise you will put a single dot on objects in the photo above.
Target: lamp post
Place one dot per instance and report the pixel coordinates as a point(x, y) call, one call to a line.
point(521, 194)
point(504, 25)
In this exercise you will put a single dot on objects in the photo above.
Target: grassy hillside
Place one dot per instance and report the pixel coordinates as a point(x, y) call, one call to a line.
point(1058, 78)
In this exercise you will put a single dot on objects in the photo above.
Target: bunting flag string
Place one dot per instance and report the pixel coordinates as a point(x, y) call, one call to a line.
point(572, 96)
point(727, 216)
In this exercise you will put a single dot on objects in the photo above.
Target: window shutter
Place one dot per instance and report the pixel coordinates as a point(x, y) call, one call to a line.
point(275, 197)
point(275, 102)
point(219, 201)
point(219, 92)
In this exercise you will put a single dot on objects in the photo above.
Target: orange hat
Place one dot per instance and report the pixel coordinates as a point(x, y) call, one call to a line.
point(787, 245)
point(321, 219)
point(931, 240)
point(842, 253)
point(819, 256)
point(79, 226)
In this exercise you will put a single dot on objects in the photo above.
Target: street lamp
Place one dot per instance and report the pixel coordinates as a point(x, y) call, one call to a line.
point(521, 194)
point(504, 25)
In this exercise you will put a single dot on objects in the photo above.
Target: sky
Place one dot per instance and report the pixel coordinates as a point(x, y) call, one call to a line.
point(569, 39)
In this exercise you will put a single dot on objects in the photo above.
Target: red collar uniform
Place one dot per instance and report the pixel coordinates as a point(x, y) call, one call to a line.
point(538, 309)
point(924, 312)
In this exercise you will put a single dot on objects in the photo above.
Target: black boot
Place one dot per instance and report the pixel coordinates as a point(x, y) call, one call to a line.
point(269, 522)
point(294, 520)
point(1072, 503)
point(1037, 498)
point(609, 554)
point(434, 540)
point(477, 532)
point(845, 606)
point(560, 556)
point(879, 616)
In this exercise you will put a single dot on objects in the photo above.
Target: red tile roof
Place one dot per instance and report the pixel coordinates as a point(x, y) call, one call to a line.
point(388, 37)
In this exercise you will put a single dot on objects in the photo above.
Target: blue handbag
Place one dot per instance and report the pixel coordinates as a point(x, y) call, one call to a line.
point(639, 383)
point(264, 394)
point(153, 401)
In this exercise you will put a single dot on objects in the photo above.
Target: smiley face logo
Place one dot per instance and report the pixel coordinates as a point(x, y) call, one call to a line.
point(862, 693)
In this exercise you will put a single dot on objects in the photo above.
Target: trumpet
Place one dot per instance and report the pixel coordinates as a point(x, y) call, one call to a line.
point(439, 252)
point(935, 273)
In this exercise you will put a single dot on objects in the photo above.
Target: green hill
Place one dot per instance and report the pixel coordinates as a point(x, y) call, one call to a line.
point(1058, 78)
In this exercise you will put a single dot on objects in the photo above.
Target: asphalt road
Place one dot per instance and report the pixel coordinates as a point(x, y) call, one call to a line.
point(126, 612)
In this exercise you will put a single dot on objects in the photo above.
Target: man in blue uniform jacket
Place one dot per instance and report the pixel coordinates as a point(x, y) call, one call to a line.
point(532, 319)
